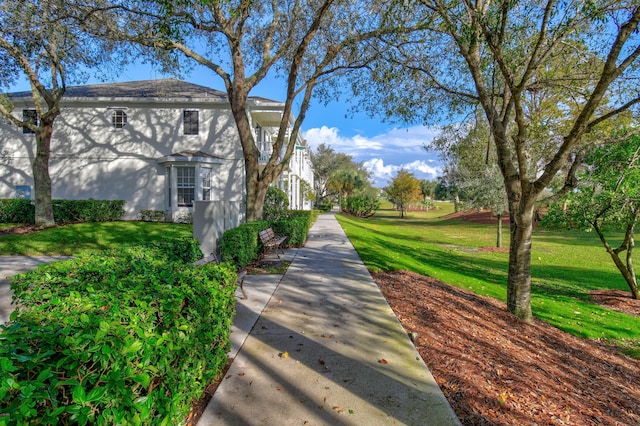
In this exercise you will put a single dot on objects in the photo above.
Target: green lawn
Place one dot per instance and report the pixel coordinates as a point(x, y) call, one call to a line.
point(87, 237)
point(565, 266)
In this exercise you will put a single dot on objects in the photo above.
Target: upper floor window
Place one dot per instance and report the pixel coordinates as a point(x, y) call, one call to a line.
point(118, 118)
point(190, 120)
point(29, 116)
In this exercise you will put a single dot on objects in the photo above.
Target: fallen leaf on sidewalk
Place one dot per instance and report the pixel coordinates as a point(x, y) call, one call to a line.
point(383, 361)
point(284, 355)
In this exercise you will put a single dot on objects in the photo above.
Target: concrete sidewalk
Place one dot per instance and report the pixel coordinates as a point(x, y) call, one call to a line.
point(326, 350)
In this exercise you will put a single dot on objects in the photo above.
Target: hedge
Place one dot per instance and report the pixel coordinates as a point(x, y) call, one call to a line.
point(131, 336)
point(18, 210)
point(241, 245)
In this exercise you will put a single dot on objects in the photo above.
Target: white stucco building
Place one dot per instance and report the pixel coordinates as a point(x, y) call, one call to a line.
point(157, 144)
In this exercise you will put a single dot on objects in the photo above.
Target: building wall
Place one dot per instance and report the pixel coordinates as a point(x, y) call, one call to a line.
point(92, 159)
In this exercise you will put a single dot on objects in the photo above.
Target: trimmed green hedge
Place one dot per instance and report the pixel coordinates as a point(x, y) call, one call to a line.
point(131, 336)
point(17, 210)
point(241, 245)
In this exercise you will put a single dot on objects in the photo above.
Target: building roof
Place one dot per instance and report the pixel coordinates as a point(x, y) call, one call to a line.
point(169, 88)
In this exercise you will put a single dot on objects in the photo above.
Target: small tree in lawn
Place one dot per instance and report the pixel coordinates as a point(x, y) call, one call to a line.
point(608, 198)
point(404, 190)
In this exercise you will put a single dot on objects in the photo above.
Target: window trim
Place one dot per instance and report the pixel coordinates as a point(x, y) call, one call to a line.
point(183, 184)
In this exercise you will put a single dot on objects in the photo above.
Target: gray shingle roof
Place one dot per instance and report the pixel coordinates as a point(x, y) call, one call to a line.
point(163, 88)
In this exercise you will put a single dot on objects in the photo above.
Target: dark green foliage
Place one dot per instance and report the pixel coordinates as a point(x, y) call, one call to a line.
point(276, 204)
point(70, 211)
point(295, 229)
point(360, 206)
point(325, 207)
point(17, 210)
point(152, 215)
point(130, 336)
point(64, 211)
point(240, 245)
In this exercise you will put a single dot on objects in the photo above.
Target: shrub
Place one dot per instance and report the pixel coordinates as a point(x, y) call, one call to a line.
point(69, 211)
point(240, 245)
point(276, 203)
point(17, 210)
point(295, 229)
point(131, 336)
point(152, 215)
point(360, 206)
point(64, 211)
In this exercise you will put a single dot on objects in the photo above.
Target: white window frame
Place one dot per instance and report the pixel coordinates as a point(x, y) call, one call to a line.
point(185, 184)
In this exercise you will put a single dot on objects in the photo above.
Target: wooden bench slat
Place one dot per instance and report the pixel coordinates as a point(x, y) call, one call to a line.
point(271, 241)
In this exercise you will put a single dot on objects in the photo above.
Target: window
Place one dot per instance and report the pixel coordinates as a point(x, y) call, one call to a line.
point(191, 122)
point(206, 184)
point(185, 185)
point(118, 119)
point(29, 116)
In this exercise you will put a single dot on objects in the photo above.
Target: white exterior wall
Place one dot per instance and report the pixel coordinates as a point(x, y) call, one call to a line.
point(92, 159)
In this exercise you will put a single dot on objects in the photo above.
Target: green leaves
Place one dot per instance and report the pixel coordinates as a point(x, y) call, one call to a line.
point(134, 336)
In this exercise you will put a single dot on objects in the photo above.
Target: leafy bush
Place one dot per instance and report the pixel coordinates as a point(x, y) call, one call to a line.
point(17, 210)
point(152, 215)
point(64, 211)
point(126, 337)
point(240, 245)
point(276, 203)
point(295, 229)
point(360, 206)
point(69, 211)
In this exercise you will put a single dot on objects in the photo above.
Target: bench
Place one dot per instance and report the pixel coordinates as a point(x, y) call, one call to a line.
point(271, 241)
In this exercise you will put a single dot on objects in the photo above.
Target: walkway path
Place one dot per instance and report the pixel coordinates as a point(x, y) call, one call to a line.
point(326, 350)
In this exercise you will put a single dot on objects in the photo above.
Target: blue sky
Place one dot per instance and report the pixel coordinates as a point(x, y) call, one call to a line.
point(383, 148)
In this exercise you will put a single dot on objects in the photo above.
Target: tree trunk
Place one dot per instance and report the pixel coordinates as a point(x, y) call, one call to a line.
point(627, 270)
point(41, 179)
point(499, 230)
point(519, 278)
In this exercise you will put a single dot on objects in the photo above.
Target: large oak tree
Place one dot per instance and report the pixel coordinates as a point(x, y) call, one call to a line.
point(242, 42)
point(508, 58)
point(41, 44)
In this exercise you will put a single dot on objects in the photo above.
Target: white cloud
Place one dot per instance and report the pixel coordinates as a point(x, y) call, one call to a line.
point(384, 154)
point(382, 173)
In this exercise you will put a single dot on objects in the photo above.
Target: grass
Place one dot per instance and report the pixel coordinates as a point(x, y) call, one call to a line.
point(88, 237)
point(565, 267)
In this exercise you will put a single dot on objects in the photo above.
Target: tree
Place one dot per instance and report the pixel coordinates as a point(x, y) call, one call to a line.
point(608, 197)
point(39, 42)
point(427, 189)
point(512, 59)
point(472, 167)
point(344, 182)
point(326, 161)
point(404, 190)
point(241, 42)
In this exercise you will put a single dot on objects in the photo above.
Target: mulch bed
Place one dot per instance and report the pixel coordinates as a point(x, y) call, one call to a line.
point(497, 370)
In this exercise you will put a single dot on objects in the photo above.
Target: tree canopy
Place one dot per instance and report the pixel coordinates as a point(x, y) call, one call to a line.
point(607, 199)
point(545, 74)
point(41, 42)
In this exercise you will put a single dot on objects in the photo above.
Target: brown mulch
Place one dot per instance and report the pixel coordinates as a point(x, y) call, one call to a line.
point(497, 370)
point(484, 217)
point(617, 300)
point(18, 229)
